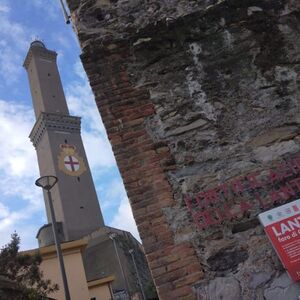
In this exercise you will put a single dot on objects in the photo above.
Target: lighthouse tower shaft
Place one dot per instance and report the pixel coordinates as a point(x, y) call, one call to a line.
point(56, 137)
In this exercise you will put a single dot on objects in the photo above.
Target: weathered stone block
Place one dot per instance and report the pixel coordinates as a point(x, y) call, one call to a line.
point(224, 288)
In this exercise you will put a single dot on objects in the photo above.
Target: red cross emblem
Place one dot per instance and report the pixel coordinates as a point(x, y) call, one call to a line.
point(71, 163)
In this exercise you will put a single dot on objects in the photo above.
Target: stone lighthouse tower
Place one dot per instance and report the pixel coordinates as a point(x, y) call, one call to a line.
point(56, 137)
point(57, 140)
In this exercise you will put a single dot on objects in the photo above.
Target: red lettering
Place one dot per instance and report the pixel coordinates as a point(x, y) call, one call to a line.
point(237, 186)
point(245, 206)
point(224, 212)
point(201, 204)
point(203, 219)
point(287, 191)
point(207, 214)
point(284, 170)
point(296, 183)
point(200, 201)
point(295, 165)
point(274, 176)
point(211, 197)
point(261, 203)
point(253, 181)
point(275, 196)
point(221, 215)
point(199, 220)
point(189, 203)
point(224, 189)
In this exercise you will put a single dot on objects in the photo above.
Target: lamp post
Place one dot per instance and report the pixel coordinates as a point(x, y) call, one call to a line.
point(47, 183)
point(112, 236)
point(131, 251)
point(67, 17)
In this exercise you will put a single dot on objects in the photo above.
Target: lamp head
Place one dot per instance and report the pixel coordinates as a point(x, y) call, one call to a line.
point(46, 182)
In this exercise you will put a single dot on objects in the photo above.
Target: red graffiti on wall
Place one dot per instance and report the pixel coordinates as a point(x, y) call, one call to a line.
point(230, 200)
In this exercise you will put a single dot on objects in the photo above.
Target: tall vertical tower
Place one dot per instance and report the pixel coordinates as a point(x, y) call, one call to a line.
point(56, 137)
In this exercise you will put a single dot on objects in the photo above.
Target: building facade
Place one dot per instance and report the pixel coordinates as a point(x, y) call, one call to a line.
point(80, 288)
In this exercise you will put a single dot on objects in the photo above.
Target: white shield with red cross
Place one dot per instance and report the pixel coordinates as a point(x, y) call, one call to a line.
point(69, 161)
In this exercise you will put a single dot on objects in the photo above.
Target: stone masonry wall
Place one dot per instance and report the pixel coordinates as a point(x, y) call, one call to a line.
point(200, 100)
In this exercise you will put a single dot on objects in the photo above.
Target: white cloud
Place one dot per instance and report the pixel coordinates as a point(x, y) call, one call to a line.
point(21, 203)
point(11, 31)
point(12, 219)
point(98, 150)
point(50, 9)
point(112, 194)
point(114, 198)
point(4, 8)
point(79, 71)
point(62, 40)
point(18, 171)
point(14, 38)
point(4, 211)
point(81, 100)
point(25, 231)
point(18, 157)
point(124, 220)
point(81, 103)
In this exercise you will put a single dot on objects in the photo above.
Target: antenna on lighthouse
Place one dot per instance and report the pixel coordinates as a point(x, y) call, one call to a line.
point(66, 15)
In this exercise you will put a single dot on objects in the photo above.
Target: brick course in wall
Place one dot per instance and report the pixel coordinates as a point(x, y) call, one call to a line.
point(142, 163)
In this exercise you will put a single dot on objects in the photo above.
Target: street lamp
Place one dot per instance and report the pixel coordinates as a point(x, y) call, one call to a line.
point(112, 236)
point(47, 183)
point(131, 251)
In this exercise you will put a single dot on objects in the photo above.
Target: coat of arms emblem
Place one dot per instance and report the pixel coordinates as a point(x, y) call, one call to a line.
point(69, 161)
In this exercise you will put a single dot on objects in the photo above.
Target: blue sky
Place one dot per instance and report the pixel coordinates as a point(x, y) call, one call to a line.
point(21, 202)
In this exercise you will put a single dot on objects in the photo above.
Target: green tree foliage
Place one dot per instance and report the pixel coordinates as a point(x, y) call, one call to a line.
point(24, 270)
